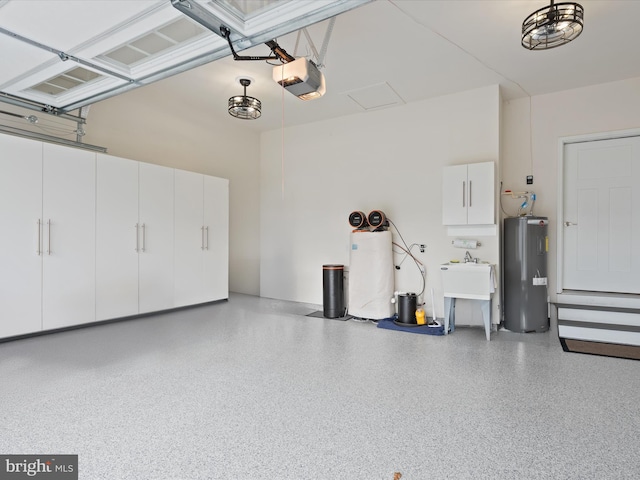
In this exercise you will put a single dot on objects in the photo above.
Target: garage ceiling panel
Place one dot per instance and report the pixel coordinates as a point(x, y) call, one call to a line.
point(65, 24)
point(128, 43)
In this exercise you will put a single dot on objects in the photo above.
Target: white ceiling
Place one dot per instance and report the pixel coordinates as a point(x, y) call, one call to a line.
point(390, 52)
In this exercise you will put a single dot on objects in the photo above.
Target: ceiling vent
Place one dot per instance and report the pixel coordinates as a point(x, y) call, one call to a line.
point(158, 41)
point(64, 82)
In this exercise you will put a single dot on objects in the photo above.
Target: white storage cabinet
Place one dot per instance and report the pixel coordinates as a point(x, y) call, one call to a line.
point(468, 194)
point(21, 238)
point(216, 253)
point(117, 238)
point(135, 238)
point(201, 238)
point(155, 259)
point(92, 237)
point(69, 215)
point(47, 249)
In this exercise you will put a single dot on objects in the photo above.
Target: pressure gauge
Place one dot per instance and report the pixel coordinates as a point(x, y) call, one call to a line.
point(358, 220)
point(377, 218)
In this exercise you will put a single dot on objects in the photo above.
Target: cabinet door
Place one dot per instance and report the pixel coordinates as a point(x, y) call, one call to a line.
point(20, 241)
point(69, 195)
point(454, 195)
point(155, 259)
point(216, 253)
point(480, 178)
point(189, 238)
point(117, 237)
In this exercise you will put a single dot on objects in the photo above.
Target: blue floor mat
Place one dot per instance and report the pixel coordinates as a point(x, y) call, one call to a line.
point(389, 324)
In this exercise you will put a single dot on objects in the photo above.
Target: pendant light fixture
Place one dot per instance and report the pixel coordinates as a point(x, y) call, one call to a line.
point(244, 107)
point(552, 26)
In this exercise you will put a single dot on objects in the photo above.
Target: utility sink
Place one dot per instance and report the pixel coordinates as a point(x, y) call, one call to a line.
point(474, 281)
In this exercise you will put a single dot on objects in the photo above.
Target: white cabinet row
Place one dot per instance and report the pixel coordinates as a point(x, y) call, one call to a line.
point(90, 237)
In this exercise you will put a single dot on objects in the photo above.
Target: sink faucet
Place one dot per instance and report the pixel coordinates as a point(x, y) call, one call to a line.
point(468, 258)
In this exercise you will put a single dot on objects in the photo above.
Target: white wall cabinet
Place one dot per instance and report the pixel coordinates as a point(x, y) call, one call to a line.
point(89, 237)
point(468, 194)
point(21, 237)
point(201, 236)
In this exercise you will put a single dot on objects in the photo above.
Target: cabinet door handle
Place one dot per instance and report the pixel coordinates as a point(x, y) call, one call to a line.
point(144, 237)
point(464, 187)
point(202, 238)
point(49, 239)
point(207, 244)
point(137, 237)
point(470, 194)
point(39, 240)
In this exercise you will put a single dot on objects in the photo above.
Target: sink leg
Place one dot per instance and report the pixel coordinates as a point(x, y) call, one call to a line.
point(486, 317)
point(449, 317)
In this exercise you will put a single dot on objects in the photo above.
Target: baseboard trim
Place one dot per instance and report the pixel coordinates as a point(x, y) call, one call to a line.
point(106, 322)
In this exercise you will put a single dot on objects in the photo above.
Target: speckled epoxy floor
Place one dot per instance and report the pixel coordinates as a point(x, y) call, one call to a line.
point(253, 389)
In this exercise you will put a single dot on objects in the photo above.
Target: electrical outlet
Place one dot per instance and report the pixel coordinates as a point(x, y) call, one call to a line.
point(529, 179)
point(422, 247)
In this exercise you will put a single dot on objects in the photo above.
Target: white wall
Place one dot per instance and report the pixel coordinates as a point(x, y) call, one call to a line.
point(390, 160)
point(143, 125)
point(600, 108)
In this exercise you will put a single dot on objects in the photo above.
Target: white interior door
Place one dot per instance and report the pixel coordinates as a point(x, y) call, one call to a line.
point(155, 260)
point(601, 218)
point(117, 237)
point(21, 237)
point(189, 238)
point(69, 210)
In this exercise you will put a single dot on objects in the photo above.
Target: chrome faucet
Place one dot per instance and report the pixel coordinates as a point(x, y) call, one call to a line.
point(468, 258)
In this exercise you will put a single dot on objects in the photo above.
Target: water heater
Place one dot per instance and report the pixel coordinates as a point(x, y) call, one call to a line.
point(526, 246)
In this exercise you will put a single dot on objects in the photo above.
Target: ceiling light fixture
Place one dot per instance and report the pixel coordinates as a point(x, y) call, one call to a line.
point(244, 107)
point(552, 26)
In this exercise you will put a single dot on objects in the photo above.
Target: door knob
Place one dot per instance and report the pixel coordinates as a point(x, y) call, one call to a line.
point(570, 224)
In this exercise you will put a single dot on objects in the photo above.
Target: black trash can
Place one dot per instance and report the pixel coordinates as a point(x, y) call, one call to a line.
point(407, 308)
point(333, 291)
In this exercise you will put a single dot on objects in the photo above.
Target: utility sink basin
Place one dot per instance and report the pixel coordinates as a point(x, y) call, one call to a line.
point(474, 281)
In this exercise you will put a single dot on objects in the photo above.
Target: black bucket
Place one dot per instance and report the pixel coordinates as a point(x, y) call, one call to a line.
point(407, 304)
point(333, 291)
